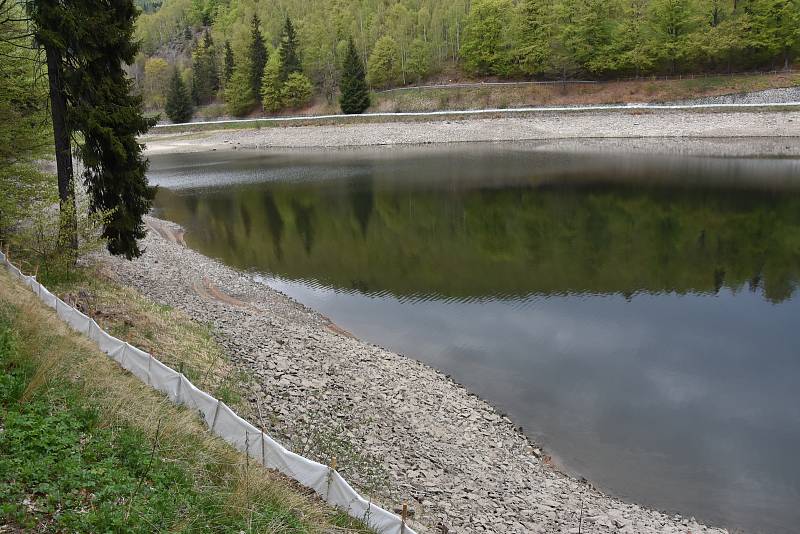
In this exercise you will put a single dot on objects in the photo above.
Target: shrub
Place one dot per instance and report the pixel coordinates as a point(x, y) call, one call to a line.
point(271, 86)
point(297, 91)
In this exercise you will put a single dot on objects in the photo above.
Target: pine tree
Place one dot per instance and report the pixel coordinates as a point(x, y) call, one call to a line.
point(355, 93)
point(179, 104)
point(228, 66)
point(289, 51)
point(271, 86)
point(87, 43)
point(211, 55)
point(257, 56)
point(239, 96)
point(205, 78)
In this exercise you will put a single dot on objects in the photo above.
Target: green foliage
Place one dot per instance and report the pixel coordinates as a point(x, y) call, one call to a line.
point(777, 27)
point(24, 129)
point(205, 77)
point(203, 11)
point(383, 67)
point(297, 90)
point(179, 104)
point(239, 96)
point(156, 81)
point(39, 241)
point(406, 40)
point(631, 50)
point(87, 44)
point(271, 86)
point(289, 51)
point(585, 34)
point(534, 27)
point(355, 92)
point(227, 69)
point(67, 466)
point(257, 56)
point(486, 48)
point(417, 64)
point(672, 21)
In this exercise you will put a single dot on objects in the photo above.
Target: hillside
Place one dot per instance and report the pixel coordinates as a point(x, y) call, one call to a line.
point(86, 447)
point(408, 41)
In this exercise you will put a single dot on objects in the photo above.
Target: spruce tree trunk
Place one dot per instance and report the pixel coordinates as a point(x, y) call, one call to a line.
point(68, 227)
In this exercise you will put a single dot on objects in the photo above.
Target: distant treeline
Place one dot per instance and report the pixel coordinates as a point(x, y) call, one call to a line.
point(404, 41)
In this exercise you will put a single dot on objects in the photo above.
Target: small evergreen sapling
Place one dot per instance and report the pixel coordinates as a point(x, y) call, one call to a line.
point(355, 93)
point(179, 105)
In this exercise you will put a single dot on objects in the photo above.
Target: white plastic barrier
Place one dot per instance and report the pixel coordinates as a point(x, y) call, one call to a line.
point(220, 419)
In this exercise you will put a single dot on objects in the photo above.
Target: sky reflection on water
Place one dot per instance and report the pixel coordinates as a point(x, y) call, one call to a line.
point(638, 316)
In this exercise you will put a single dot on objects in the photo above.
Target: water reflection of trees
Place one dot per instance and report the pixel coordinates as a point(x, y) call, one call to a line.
point(503, 242)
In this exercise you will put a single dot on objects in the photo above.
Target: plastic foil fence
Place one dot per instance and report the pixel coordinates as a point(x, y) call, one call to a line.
point(220, 419)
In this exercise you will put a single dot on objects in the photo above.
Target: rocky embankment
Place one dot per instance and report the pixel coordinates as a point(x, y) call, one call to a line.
point(539, 126)
point(784, 95)
point(462, 466)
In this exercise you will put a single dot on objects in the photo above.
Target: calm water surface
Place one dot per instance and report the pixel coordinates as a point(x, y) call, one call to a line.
point(636, 315)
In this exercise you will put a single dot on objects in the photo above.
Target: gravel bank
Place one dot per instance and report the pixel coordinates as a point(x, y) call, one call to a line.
point(768, 96)
point(462, 466)
point(622, 124)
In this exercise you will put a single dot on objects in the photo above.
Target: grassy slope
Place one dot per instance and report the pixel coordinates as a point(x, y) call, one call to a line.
point(509, 96)
point(500, 97)
point(86, 447)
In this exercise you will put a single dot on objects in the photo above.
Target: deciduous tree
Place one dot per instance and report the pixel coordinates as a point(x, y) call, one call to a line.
point(486, 48)
point(383, 67)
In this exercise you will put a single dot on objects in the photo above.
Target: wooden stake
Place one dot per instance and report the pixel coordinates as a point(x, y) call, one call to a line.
point(247, 448)
point(333, 464)
point(403, 516)
point(263, 450)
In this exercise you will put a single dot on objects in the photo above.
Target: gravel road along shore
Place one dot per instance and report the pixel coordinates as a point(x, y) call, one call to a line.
point(623, 124)
point(462, 466)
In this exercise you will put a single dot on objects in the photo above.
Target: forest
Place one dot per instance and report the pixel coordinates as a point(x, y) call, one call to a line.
point(401, 42)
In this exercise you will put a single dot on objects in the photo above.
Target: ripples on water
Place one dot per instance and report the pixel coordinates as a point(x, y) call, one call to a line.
point(637, 315)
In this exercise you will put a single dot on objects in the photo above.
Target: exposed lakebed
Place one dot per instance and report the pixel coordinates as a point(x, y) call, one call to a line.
point(636, 315)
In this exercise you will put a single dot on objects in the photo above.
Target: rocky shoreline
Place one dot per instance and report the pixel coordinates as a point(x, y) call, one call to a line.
point(700, 133)
point(461, 465)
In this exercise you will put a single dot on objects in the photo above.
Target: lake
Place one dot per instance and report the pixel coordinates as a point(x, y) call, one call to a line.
point(637, 315)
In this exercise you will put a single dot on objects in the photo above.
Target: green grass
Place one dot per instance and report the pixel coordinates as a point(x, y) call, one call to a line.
point(85, 447)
